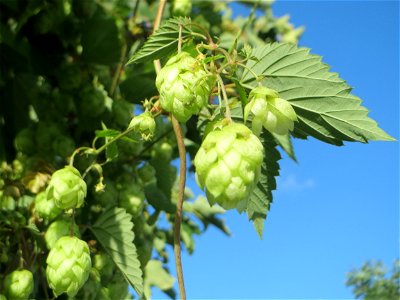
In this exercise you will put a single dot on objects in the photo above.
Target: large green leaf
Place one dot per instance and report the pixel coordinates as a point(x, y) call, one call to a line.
point(113, 230)
point(164, 41)
point(322, 101)
point(261, 198)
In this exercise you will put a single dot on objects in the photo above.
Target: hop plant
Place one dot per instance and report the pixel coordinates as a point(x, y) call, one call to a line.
point(18, 284)
point(58, 229)
point(184, 86)
point(45, 208)
point(67, 188)
point(228, 165)
point(181, 7)
point(68, 266)
point(144, 124)
point(269, 111)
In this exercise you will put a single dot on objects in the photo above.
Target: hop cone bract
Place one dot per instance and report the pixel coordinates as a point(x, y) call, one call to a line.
point(67, 188)
point(228, 165)
point(184, 86)
point(46, 208)
point(269, 111)
point(68, 266)
point(18, 284)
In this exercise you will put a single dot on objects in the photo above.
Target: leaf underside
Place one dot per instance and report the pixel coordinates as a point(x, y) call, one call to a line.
point(113, 230)
point(260, 200)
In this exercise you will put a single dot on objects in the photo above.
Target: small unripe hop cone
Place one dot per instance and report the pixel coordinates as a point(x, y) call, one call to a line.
point(68, 266)
point(184, 86)
point(67, 188)
point(228, 165)
point(144, 124)
point(269, 111)
point(18, 284)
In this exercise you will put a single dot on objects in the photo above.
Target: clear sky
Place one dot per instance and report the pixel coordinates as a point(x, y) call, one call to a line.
point(339, 206)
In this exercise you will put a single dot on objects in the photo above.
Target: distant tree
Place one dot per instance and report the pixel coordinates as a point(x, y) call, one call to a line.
point(373, 281)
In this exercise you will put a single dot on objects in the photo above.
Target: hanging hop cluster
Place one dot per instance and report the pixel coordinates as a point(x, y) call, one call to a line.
point(67, 188)
point(18, 285)
point(228, 165)
point(68, 266)
point(144, 124)
point(184, 86)
point(269, 111)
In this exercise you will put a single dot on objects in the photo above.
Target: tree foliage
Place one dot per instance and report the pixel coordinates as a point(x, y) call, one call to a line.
point(374, 281)
point(80, 98)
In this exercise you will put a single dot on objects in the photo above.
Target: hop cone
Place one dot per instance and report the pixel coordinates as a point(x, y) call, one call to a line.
point(46, 209)
point(68, 266)
point(269, 111)
point(181, 7)
point(144, 124)
point(58, 229)
point(228, 165)
point(132, 199)
point(18, 284)
point(184, 86)
point(67, 188)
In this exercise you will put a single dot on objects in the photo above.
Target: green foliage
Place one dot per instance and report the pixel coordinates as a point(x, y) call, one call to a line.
point(322, 101)
point(71, 101)
point(114, 232)
point(374, 281)
point(164, 41)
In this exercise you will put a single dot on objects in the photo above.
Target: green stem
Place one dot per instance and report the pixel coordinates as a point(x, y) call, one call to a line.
point(225, 97)
point(179, 205)
point(113, 140)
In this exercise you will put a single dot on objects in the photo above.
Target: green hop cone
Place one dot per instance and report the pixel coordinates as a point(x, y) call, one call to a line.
point(228, 165)
point(144, 124)
point(67, 188)
point(103, 263)
point(269, 111)
point(132, 199)
point(18, 284)
point(181, 7)
point(46, 209)
point(184, 86)
point(58, 229)
point(68, 266)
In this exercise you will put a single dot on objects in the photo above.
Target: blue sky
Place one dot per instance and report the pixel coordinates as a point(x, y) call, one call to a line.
point(337, 207)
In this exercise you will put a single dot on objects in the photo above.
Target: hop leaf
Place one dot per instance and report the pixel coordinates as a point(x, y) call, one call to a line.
point(228, 165)
point(269, 111)
point(144, 124)
point(67, 188)
point(68, 266)
point(18, 284)
point(184, 86)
